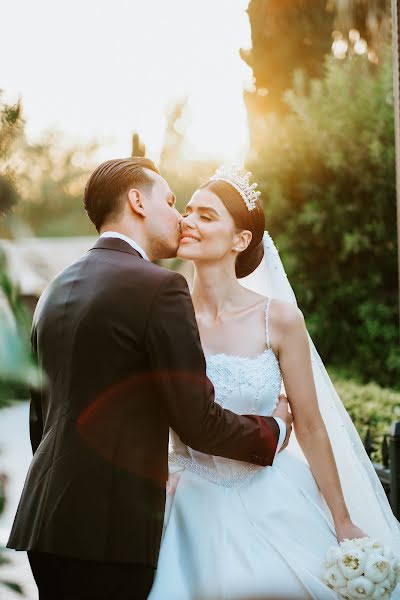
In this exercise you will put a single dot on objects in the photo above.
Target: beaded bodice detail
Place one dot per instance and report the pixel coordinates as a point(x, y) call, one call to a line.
point(244, 385)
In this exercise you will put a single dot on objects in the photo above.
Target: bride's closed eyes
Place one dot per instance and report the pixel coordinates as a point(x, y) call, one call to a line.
point(204, 214)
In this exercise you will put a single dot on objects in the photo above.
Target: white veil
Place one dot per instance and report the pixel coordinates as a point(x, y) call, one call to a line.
point(363, 492)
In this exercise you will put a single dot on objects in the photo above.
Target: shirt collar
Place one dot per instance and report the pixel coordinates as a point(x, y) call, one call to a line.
point(121, 236)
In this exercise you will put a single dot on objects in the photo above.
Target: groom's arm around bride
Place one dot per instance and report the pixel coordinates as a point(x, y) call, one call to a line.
point(179, 373)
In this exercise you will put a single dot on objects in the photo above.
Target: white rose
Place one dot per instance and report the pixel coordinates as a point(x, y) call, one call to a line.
point(334, 578)
point(352, 562)
point(383, 588)
point(387, 553)
point(342, 592)
point(377, 567)
point(362, 542)
point(376, 545)
point(332, 556)
point(392, 573)
point(396, 568)
point(367, 543)
point(360, 587)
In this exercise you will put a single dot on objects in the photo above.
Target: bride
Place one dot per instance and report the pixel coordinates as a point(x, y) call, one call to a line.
point(234, 530)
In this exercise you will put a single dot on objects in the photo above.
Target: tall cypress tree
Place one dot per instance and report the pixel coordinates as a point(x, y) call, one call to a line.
point(11, 125)
point(287, 35)
point(370, 17)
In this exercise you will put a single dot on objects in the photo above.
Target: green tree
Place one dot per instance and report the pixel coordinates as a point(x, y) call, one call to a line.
point(138, 147)
point(286, 35)
point(327, 176)
point(16, 365)
point(11, 127)
point(50, 180)
point(296, 35)
point(17, 369)
point(8, 196)
point(372, 18)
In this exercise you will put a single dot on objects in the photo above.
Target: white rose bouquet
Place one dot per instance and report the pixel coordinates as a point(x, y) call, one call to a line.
point(362, 568)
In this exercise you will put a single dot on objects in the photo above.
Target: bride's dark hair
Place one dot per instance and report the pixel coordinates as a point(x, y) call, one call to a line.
point(254, 221)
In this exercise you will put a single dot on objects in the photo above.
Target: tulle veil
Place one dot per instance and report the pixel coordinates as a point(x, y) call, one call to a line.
point(363, 491)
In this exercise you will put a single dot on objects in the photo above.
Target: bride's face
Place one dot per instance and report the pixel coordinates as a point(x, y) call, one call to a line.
point(208, 229)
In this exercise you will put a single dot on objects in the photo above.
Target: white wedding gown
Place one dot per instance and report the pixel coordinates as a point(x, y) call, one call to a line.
point(238, 531)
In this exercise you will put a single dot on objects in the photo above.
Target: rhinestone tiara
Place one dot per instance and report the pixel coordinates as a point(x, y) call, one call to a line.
point(239, 180)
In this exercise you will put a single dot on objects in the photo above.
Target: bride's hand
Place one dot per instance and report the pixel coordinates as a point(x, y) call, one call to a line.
point(348, 530)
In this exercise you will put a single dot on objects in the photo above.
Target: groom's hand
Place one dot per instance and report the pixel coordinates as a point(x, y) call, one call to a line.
point(282, 411)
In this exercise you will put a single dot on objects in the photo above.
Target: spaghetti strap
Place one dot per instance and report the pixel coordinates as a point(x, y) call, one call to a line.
point(267, 323)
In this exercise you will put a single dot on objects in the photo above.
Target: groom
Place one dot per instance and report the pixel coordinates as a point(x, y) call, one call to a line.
point(117, 339)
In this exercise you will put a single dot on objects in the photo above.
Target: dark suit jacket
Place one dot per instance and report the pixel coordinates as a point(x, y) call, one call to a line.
point(117, 338)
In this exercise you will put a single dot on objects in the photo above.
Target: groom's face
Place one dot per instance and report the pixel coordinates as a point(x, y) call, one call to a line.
point(163, 220)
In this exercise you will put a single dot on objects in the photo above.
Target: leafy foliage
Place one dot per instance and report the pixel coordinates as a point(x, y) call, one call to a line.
point(295, 35)
point(327, 173)
point(287, 35)
point(370, 407)
point(50, 182)
point(372, 18)
point(11, 126)
point(15, 361)
point(17, 367)
point(42, 182)
point(11, 585)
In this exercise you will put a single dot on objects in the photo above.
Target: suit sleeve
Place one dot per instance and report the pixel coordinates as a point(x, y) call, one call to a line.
point(35, 411)
point(179, 371)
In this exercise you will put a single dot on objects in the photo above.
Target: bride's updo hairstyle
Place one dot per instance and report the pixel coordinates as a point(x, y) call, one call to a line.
point(254, 221)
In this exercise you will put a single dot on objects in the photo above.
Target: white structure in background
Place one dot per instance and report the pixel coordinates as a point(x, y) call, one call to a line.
point(32, 262)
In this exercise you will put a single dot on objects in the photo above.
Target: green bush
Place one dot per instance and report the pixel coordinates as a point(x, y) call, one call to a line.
point(327, 173)
point(369, 406)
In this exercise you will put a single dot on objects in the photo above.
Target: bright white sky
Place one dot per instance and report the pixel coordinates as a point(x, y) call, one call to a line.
point(101, 69)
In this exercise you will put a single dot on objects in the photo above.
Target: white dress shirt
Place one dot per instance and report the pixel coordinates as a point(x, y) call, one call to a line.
point(282, 433)
point(128, 240)
point(135, 246)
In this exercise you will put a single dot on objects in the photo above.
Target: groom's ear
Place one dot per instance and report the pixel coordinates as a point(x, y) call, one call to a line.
point(135, 200)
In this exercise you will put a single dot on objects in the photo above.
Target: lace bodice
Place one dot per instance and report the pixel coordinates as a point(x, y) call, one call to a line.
point(244, 385)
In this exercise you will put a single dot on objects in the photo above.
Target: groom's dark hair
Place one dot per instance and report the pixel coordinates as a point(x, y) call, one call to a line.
point(109, 182)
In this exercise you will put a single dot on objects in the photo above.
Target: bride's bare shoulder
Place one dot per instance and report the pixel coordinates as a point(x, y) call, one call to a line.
point(286, 316)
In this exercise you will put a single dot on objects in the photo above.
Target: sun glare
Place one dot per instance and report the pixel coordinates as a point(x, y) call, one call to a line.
point(221, 131)
point(107, 77)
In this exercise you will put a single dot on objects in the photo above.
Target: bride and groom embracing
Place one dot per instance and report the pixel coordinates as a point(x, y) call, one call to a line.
point(164, 463)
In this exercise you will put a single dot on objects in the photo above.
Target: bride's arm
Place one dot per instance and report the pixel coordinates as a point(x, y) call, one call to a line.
point(311, 433)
